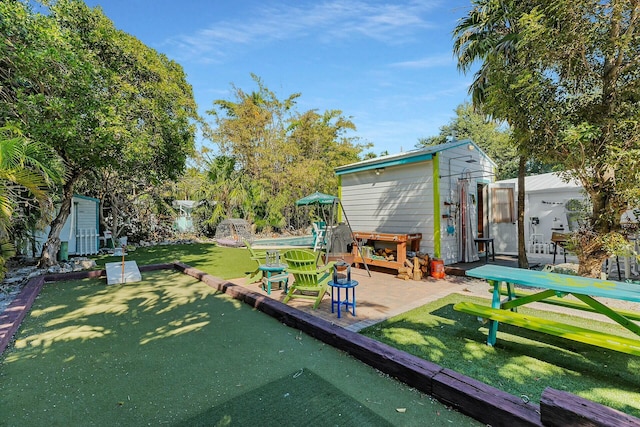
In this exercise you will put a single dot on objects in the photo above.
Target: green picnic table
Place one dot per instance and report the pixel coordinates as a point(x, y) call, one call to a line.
point(547, 286)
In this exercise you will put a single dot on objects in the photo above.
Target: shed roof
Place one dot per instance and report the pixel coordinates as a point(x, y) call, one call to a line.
point(407, 157)
point(546, 182)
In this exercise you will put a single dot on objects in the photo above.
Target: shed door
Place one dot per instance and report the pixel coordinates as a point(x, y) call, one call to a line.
point(503, 216)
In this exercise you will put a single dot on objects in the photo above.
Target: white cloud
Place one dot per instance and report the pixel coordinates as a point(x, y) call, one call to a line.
point(443, 60)
point(326, 21)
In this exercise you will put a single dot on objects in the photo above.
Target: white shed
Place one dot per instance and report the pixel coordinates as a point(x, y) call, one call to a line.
point(439, 191)
point(545, 211)
point(80, 230)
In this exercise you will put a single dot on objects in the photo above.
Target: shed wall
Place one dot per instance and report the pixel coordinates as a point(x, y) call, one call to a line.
point(454, 165)
point(80, 230)
point(398, 200)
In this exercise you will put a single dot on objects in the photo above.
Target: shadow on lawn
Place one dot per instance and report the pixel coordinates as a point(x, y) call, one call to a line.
point(523, 362)
point(163, 305)
point(301, 398)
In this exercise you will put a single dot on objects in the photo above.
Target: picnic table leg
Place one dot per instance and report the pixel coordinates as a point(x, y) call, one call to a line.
point(511, 295)
point(603, 309)
point(495, 303)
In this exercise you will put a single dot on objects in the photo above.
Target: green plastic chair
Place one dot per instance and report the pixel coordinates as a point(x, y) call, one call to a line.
point(260, 257)
point(309, 280)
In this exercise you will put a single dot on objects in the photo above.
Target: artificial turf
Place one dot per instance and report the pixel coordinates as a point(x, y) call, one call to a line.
point(523, 362)
point(171, 350)
point(220, 261)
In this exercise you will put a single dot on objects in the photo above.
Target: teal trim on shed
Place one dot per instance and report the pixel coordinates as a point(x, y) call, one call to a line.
point(408, 157)
point(93, 199)
point(383, 164)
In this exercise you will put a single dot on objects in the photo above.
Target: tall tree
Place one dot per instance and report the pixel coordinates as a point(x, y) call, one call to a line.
point(588, 52)
point(565, 75)
point(283, 154)
point(99, 98)
point(490, 34)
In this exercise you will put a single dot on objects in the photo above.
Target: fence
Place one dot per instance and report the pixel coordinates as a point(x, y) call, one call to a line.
point(86, 242)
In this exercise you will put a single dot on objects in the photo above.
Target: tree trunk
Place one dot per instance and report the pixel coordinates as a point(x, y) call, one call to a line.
point(52, 245)
point(591, 265)
point(523, 262)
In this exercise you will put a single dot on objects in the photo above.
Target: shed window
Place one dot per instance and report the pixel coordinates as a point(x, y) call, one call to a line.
point(502, 200)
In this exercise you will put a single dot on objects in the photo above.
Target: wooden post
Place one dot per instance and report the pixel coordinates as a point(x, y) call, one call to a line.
point(123, 249)
point(417, 274)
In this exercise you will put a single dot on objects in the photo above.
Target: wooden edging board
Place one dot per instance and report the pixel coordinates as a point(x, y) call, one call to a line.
point(467, 395)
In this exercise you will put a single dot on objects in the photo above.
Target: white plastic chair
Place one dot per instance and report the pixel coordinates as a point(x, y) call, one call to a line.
point(320, 237)
point(106, 237)
point(537, 244)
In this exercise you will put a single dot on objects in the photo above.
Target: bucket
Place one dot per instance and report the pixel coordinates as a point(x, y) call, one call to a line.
point(437, 268)
point(63, 254)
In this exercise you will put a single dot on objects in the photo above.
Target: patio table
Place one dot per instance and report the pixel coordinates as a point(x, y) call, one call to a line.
point(336, 299)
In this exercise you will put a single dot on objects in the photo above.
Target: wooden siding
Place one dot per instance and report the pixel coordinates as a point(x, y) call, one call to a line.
point(87, 214)
point(401, 198)
point(396, 201)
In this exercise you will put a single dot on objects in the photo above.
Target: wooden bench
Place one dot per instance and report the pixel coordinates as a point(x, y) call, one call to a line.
point(634, 315)
point(575, 333)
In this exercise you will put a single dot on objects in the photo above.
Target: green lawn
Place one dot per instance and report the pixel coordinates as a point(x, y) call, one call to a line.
point(220, 261)
point(128, 352)
point(523, 362)
point(173, 351)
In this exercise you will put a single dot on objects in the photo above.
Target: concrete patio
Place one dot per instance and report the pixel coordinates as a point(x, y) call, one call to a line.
point(382, 295)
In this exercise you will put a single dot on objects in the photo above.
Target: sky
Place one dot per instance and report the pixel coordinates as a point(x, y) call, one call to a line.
point(387, 65)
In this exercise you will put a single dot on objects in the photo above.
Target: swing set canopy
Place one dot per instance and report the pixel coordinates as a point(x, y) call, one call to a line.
point(316, 198)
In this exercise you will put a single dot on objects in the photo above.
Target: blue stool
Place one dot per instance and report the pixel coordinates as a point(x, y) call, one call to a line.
point(336, 300)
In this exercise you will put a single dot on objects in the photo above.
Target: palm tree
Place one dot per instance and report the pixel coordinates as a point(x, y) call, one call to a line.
point(489, 34)
point(27, 172)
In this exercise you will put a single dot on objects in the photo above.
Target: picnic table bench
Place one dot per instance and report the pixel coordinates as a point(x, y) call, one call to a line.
point(550, 287)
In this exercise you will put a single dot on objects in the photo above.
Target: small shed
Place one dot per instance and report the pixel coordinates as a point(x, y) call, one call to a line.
point(438, 191)
point(80, 231)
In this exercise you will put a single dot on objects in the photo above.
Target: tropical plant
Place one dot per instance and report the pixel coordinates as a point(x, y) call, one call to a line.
point(271, 155)
point(564, 75)
point(506, 86)
point(28, 170)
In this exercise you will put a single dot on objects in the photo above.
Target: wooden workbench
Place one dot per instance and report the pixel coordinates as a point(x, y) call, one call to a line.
point(401, 241)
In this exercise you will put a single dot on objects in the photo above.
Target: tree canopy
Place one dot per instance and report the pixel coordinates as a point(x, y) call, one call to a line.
point(490, 135)
point(271, 155)
point(101, 99)
point(565, 77)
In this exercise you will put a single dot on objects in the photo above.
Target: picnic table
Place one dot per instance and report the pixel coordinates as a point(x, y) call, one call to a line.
point(552, 288)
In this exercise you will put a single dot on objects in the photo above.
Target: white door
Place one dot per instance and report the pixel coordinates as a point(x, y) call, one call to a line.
point(503, 217)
